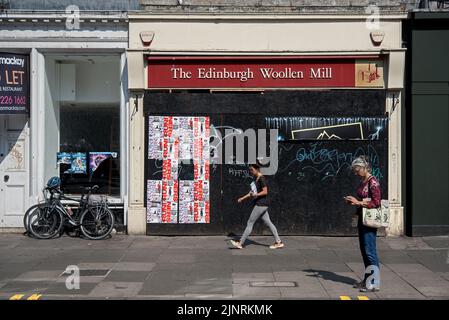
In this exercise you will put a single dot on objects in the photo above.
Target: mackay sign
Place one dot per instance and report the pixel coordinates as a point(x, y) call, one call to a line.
point(14, 83)
point(190, 72)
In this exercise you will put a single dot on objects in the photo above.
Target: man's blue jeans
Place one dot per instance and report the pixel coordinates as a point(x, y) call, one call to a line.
point(367, 241)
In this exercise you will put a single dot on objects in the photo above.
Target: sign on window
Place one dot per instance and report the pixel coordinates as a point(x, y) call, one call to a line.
point(14, 84)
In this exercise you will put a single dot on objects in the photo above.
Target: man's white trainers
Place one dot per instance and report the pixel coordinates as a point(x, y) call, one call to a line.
point(236, 244)
point(277, 245)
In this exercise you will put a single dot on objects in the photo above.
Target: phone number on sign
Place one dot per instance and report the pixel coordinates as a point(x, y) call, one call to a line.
point(13, 100)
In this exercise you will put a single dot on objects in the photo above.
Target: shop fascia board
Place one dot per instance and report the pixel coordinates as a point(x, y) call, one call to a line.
point(394, 76)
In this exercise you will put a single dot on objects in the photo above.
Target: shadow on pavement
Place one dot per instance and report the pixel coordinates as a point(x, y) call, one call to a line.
point(329, 275)
point(248, 242)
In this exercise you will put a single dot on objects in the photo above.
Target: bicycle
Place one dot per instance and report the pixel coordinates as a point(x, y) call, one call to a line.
point(47, 199)
point(92, 217)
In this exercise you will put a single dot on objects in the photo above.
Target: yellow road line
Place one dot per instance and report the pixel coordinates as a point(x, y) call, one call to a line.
point(34, 297)
point(363, 298)
point(16, 297)
point(345, 298)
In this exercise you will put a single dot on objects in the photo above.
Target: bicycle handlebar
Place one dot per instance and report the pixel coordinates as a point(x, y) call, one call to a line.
point(86, 190)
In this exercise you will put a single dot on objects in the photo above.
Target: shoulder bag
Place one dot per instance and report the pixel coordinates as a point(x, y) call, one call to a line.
point(376, 217)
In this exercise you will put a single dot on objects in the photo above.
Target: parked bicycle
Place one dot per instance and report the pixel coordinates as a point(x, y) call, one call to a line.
point(92, 216)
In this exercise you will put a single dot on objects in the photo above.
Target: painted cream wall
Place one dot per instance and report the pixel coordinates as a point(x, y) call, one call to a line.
point(280, 35)
point(262, 34)
point(259, 35)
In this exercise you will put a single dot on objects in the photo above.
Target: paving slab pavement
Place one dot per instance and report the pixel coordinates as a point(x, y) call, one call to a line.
point(205, 267)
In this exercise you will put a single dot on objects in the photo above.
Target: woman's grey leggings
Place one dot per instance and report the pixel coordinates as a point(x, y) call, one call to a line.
point(256, 214)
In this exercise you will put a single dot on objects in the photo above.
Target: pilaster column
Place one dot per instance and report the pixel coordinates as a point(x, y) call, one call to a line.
point(393, 102)
point(136, 209)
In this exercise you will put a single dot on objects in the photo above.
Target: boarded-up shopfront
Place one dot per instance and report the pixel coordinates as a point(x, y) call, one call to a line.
point(199, 117)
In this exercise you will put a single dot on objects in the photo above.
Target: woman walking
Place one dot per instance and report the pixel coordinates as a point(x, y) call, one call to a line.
point(368, 196)
point(261, 203)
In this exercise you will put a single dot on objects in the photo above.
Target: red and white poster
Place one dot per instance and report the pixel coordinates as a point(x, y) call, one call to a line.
point(154, 201)
point(155, 137)
point(170, 148)
point(170, 169)
point(169, 190)
point(185, 135)
point(172, 140)
point(169, 212)
point(201, 170)
point(168, 127)
point(186, 201)
point(201, 213)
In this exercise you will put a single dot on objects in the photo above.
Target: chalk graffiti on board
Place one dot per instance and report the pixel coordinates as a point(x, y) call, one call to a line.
point(329, 162)
point(329, 128)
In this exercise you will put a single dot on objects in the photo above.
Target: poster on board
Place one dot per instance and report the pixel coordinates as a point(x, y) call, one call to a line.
point(154, 201)
point(173, 140)
point(186, 201)
point(155, 137)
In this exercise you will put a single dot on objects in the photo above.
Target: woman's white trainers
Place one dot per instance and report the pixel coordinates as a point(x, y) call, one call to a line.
point(365, 289)
point(236, 244)
point(277, 245)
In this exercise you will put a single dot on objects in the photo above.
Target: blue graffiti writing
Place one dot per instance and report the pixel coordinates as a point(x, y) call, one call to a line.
point(330, 162)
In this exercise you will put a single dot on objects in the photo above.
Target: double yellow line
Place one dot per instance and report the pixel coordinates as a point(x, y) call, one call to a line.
point(34, 296)
point(358, 297)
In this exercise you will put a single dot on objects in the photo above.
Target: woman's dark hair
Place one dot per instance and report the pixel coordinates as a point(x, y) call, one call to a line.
point(255, 166)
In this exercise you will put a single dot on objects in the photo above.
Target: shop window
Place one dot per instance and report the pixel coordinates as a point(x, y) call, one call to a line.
point(89, 148)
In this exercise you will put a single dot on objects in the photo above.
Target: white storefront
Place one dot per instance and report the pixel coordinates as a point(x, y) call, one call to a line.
point(78, 102)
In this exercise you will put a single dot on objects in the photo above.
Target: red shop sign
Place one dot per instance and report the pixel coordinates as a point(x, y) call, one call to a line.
point(191, 72)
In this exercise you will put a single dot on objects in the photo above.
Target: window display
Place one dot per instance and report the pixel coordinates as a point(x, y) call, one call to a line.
point(89, 149)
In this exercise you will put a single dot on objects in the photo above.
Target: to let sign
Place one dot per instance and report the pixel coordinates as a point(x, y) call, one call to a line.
point(191, 72)
point(14, 84)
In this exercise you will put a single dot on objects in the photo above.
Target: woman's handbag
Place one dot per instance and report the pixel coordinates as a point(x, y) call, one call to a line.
point(377, 217)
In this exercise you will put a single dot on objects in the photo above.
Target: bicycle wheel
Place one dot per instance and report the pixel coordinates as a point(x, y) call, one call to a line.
point(96, 222)
point(45, 222)
point(26, 218)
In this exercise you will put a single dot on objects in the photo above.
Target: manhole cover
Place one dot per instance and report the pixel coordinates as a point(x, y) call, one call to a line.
point(273, 284)
point(90, 273)
point(94, 272)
